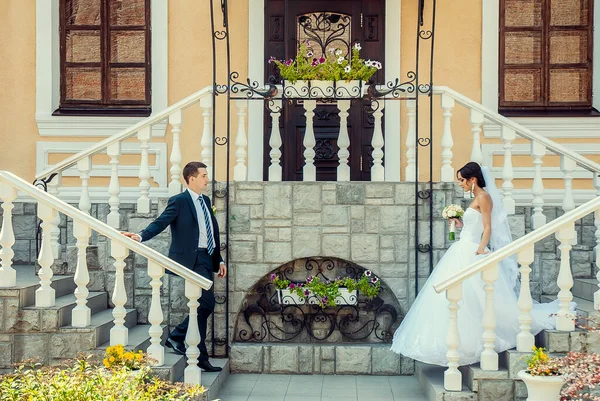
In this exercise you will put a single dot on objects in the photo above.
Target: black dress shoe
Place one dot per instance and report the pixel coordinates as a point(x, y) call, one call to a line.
point(176, 346)
point(207, 367)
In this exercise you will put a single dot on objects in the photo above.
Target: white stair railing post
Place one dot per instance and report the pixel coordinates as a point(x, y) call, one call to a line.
point(447, 172)
point(53, 189)
point(476, 122)
point(119, 334)
point(8, 275)
point(452, 376)
point(114, 189)
point(309, 171)
point(597, 247)
point(538, 218)
point(155, 315)
point(411, 142)
point(275, 172)
point(240, 171)
point(143, 203)
point(175, 120)
point(45, 295)
point(191, 374)
point(81, 315)
point(377, 142)
point(206, 141)
point(508, 136)
point(525, 340)
point(489, 357)
point(568, 166)
point(84, 166)
point(564, 317)
point(343, 170)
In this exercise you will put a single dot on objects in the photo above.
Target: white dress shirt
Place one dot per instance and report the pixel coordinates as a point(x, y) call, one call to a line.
point(203, 238)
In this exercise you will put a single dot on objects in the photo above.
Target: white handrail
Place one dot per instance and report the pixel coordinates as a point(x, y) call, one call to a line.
point(104, 229)
point(126, 133)
point(519, 244)
point(521, 130)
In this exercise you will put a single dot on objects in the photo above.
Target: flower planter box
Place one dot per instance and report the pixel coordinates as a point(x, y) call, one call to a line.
point(288, 297)
point(324, 89)
point(295, 90)
point(542, 388)
point(350, 89)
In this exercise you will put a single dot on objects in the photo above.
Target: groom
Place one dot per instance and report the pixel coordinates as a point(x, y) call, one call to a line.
point(195, 245)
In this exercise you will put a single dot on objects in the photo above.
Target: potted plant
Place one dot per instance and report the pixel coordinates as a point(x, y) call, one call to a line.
point(543, 376)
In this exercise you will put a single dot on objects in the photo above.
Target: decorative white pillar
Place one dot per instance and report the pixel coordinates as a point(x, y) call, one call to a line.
point(508, 136)
point(191, 374)
point(447, 172)
point(119, 334)
point(597, 247)
point(114, 189)
point(206, 142)
point(568, 166)
point(343, 170)
point(476, 122)
point(275, 172)
point(45, 295)
point(240, 171)
point(309, 171)
point(525, 340)
point(452, 376)
point(81, 315)
point(410, 172)
point(175, 120)
point(377, 142)
point(84, 166)
point(564, 317)
point(143, 203)
point(8, 275)
point(538, 218)
point(489, 357)
point(53, 189)
point(155, 315)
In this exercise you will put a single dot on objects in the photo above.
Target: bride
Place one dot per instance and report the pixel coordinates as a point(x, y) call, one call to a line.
point(422, 334)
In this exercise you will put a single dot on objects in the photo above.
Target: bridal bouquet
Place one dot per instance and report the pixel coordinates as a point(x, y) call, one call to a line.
point(452, 212)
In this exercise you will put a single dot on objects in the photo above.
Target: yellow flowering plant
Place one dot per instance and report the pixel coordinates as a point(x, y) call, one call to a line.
point(117, 356)
point(540, 364)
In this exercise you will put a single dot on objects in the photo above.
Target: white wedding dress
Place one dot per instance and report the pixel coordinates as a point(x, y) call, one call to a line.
point(423, 332)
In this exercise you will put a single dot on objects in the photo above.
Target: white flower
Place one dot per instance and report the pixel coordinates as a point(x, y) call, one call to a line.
point(452, 213)
point(357, 46)
point(331, 51)
point(338, 52)
point(368, 63)
point(347, 68)
point(378, 65)
point(340, 60)
point(309, 54)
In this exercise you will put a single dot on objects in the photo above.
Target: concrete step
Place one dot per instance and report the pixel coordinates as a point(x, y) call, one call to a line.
point(101, 324)
point(139, 339)
point(473, 376)
point(173, 367)
point(431, 379)
point(585, 288)
point(212, 381)
point(28, 282)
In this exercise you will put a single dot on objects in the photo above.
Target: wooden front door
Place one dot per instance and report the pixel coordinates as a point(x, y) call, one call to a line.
point(327, 24)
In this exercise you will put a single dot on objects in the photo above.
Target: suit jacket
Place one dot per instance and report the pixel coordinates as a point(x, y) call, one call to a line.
point(180, 214)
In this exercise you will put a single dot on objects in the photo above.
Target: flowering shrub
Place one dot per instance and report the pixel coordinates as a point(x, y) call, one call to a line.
point(116, 357)
point(540, 364)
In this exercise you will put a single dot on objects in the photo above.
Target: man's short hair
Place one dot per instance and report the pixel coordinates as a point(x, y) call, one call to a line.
point(191, 170)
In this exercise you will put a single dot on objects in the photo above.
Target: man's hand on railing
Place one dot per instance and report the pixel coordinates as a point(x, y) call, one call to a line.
point(133, 236)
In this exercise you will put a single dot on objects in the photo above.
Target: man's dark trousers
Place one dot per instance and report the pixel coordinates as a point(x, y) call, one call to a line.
point(204, 267)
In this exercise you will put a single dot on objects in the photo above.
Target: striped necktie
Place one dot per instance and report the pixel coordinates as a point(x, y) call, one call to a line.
point(210, 247)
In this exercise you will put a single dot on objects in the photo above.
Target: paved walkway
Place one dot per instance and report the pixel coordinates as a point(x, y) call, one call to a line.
point(263, 387)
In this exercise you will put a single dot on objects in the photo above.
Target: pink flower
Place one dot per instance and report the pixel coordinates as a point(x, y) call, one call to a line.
point(315, 62)
point(289, 62)
point(322, 60)
point(374, 280)
point(273, 276)
point(292, 286)
point(271, 59)
point(306, 293)
point(309, 279)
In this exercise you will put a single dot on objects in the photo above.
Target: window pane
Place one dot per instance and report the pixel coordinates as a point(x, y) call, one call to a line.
point(127, 47)
point(127, 12)
point(568, 47)
point(522, 85)
point(523, 13)
point(568, 85)
point(568, 12)
point(128, 84)
point(83, 84)
point(82, 12)
point(83, 46)
point(523, 48)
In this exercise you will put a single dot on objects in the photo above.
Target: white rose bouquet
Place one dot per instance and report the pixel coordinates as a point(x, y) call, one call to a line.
point(452, 212)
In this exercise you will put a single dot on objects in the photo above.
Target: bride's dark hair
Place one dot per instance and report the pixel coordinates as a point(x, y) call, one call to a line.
point(470, 170)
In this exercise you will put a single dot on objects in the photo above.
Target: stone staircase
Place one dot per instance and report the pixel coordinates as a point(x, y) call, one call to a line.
point(504, 385)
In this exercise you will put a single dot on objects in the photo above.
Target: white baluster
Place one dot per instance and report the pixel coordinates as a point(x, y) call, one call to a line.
point(447, 172)
point(119, 334)
point(377, 142)
point(206, 142)
point(597, 247)
point(508, 136)
point(175, 119)
point(84, 166)
point(476, 121)
point(191, 374)
point(538, 218)
point(8, 275)
point(53, 189)
point(240, 171)
point(114, 189)
point(525, 340)
point(45, 296)
point(309, 171)
point(143, 203)
point(275, 173)
point(343, 170)
point(489, 357)
point(452, 376)
point(81, 315)
point(155, 315)
point(564, 317)
point(568, 166)
point(411, 142)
